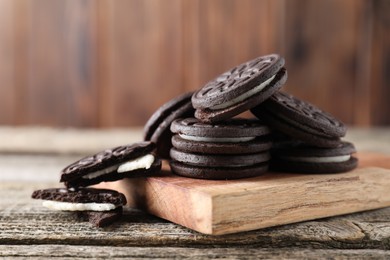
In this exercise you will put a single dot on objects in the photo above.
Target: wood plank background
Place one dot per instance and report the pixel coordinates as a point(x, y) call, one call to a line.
point(112, 63)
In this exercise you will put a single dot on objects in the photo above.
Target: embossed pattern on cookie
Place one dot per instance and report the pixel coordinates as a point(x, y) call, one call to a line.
point(239, 89)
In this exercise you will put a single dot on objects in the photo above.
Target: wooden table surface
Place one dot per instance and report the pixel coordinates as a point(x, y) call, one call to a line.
point(31, 158)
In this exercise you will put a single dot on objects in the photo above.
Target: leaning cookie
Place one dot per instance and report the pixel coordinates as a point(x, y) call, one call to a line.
point(127, 161)
point(300, 120)
point(100, 206)
point(157, 127)
point(301, 158)
point(239, 89)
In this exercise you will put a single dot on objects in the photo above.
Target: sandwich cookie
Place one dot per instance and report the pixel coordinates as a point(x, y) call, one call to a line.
point(233, 136)
point(206, 160)
point(239, 89)
point(157, 127)
point(300, 120)
point(100, 206)
point(233, 149)
point(217, 173)
point(302, 158)
point(127, 161)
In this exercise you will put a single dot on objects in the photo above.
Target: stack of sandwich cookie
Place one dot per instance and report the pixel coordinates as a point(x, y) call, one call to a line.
point(100, 206)
point(302, 158)
point(232, 149)
point(314, 144)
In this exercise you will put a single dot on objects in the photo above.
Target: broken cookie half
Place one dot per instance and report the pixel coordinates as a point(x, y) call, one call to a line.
point(127, 161)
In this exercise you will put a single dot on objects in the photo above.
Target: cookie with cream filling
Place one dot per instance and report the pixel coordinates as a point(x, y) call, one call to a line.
point(239, 89)
point(101, 207)
point(233, 136)
point(302, 158)
point(126, 161)
point(300, 120)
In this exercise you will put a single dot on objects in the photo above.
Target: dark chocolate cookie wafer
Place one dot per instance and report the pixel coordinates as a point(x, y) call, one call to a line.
point(157, 127)
point(302, 158)
point(300, 120)
point(240, 88)
point(127, 161)
point(100, 206)
point(233, 136)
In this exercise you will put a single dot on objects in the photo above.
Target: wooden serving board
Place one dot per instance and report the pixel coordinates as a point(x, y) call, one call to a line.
point(223, 207)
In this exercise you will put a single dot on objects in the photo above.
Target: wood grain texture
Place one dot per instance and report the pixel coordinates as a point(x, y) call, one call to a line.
point(231, 32)
point(321, 54)
point(29, 230)
point(143, 41)
point(216, 207)
point(7, 62)
point(380, 62)
point(61, 58)
point(112, 63)
point(24, 221)
point(104, 252)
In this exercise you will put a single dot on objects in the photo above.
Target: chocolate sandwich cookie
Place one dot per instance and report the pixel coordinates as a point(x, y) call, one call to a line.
point(233, 136)
point(240, 88)
point(100, 206)
point(127, 161)
point(217, 173)
point(214, 160)
point(157, 130)
point(302, 158)
point(300, 120)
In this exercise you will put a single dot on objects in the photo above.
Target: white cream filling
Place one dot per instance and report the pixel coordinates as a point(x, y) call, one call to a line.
point(69, 206)
point(329, 159)
point(143, 162)
point(100, 172)
point(216, 139)
point(243, 96)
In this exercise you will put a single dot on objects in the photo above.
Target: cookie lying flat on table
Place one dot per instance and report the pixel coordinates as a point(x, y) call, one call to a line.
point(233, 149)
point(100, 206)
point(300, 120)
point(127, 161)
point(239, 89)
point(218, 173)
point(157, 127)
point(302, 158)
